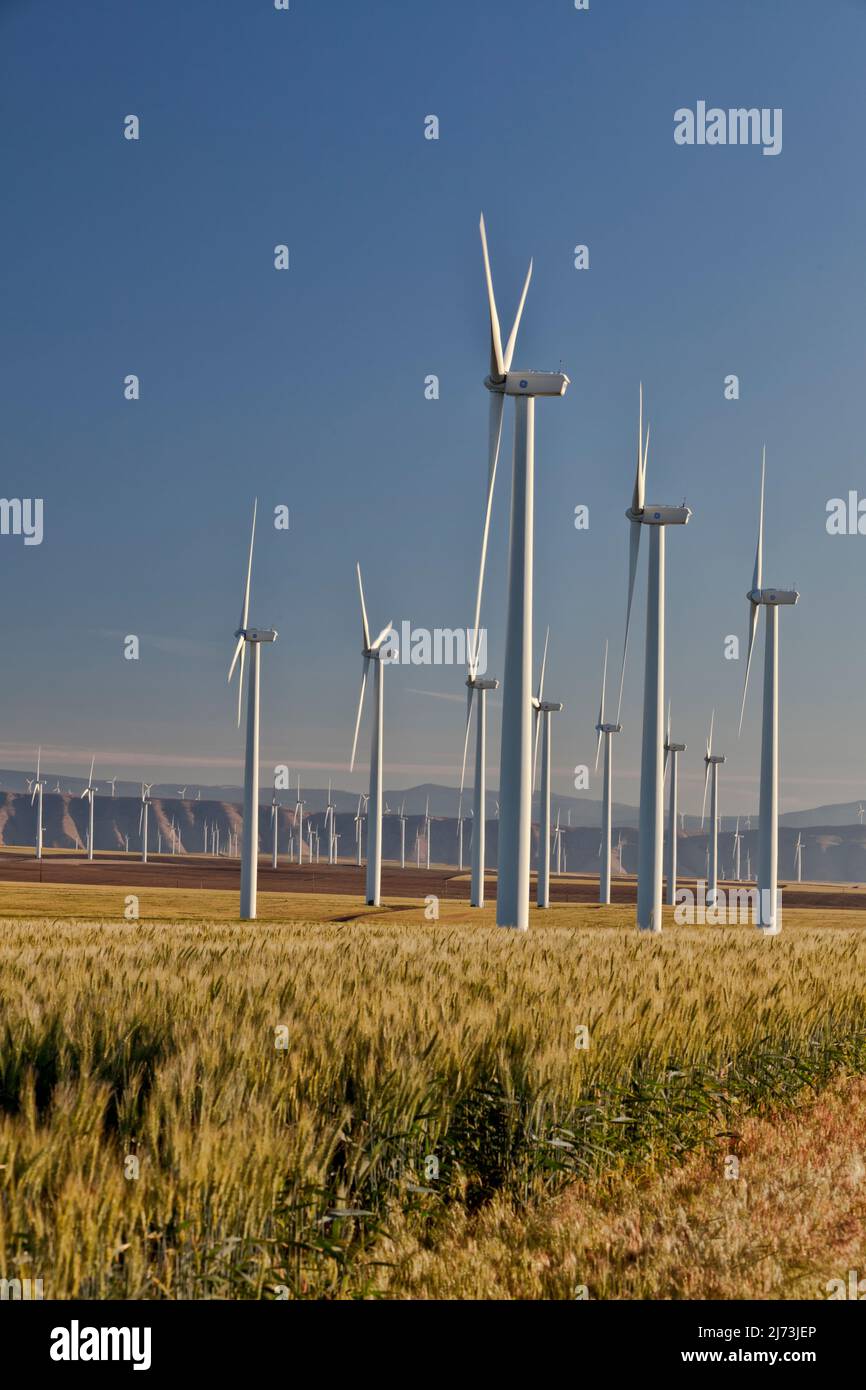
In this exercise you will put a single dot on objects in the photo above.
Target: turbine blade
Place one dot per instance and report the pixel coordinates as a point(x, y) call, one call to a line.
point(38, 762)
point(637, 500)
point(497, 363)
point(710, 735)
point(603, 685)
point(237, 652)
point(757, 575)
point(497, 408)
point(535, 749)
point(469, 693)
point(543, 665)
point(754, 613)
point(360, 711)
point(365, 627)
point(633, 553)
point(241, 681)
point(245, 610)
point(512, 337)
point(382, 635)
point(706, 784)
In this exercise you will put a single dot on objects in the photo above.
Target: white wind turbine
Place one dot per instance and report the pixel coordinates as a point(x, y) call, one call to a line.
point(798, 857)
point(88, 795)
point(557, 844)
point(543, 710)
point(672, 751)
point(143, 818)
point(651, 840)
point(254, 637)
point(427, 831)
point(299, 822)
point(275, 829)
point(359, 823)
point(330, 812)
point(768, 808)
point(861, 811)
point(402, 819)
point(38, 787)
point(712, 763)
point(512, 896)
point(460, 835)
point(606, 732)
point(112, 782)
point(738, 839)
point(372, 651)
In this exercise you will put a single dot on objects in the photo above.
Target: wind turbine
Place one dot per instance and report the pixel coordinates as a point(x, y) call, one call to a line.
point(372, 651)
point(38, 786)
point(254, 637)
point(672, 751)
point(112, 782)
point(768, 808)
point(512, 896)
point(651, 841)
point(557, 844)
point(712, 763)
point(620, 842)
point(798, 857)
point(605, 731)
point(543, 710)
point(737, 843)
point(861, 811)
point(330, 810)
point(427, 831)
point(182, 793)
point(359, 821)
point(275, 828)
point(142, 818)
point(87, 795)
point(402, 819)
point(460, 835)
point(299, 822)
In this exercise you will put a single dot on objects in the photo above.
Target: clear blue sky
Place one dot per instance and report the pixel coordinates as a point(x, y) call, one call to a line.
point(306, 387)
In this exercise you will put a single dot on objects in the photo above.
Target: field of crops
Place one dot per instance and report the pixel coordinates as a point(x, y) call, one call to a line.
point(214, 1110)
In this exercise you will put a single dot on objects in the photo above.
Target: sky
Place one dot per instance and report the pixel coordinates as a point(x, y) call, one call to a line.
point(305, 387)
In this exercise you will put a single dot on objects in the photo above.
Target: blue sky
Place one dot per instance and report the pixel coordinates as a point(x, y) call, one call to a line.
point(306, 387)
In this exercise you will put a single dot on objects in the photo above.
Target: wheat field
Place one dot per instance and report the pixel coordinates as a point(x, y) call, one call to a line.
point(279, 1109)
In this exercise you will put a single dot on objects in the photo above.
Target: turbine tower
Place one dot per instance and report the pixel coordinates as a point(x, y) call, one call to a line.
point(38, 787)
point(402, 820)
point(650, 845)
point(299, 822)
point(330, 811)
point(543, 710)
point(512, 896)
point(605, 731)
point(87, 795)
point(712, 763)
point(798, 857)
point(372, 651)
point(254, 637)
point(768, 808)
point(275, 828)
point(672, 751)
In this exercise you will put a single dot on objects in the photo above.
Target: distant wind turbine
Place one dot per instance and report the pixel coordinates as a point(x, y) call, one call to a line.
point(372, 651)
point(651, 835)
point(798, 858)
point(768, 813)
point(38, 786)
point(543, 710)
point(88, 795)
point(253, 637)
point(672, 751)
point(143, 818)
point(712, 763)
point(605, 732)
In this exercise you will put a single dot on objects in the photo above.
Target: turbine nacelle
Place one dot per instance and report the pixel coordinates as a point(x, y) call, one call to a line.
point(711, 758)
point(677, 748)
point(475, 684)
point(529, 383)
point(547, 706)
point(257, 634)
point(608, 728)
point(772, 597)
point(661, 515)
